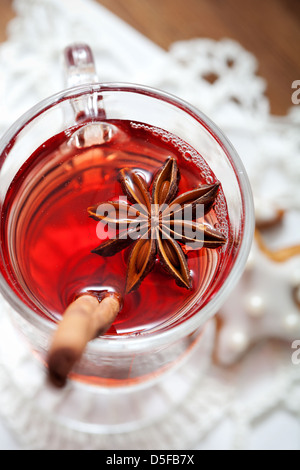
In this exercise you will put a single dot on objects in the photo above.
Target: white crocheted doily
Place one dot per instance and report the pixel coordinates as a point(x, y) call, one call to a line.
point(250, 397)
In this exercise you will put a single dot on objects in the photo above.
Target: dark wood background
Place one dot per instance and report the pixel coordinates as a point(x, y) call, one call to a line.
point(268, 28)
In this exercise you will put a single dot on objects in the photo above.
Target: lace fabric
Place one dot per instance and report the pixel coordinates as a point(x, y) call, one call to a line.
point(252, 381)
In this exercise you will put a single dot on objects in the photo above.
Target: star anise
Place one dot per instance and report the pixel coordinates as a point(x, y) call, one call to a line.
point(157, 224)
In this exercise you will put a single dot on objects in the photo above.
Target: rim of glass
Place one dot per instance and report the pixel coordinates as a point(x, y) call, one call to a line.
point(199, 318)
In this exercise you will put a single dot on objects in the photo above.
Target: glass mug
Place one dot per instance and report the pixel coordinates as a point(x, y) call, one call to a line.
point(123, 367)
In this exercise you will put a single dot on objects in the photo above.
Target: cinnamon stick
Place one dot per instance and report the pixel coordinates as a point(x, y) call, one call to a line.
point(84, 320)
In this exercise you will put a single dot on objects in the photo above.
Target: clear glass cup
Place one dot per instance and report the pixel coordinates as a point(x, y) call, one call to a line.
point(130, 368)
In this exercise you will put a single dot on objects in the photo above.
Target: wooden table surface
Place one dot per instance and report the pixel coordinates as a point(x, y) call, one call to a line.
point(270, 29)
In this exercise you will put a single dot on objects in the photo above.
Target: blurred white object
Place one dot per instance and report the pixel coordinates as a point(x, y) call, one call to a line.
point(262, 306)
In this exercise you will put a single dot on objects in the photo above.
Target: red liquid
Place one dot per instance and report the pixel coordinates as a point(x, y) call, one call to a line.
point(48, 236)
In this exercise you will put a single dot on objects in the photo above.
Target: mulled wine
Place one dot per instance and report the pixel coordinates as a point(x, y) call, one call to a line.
point(48, 237)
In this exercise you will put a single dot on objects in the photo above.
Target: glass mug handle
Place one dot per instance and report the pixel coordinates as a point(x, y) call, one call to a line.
point(79, 65)
point(80, 69)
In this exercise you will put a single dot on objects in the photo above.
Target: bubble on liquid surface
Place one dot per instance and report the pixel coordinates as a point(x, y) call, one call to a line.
point(188, 152)
point(191, 155)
